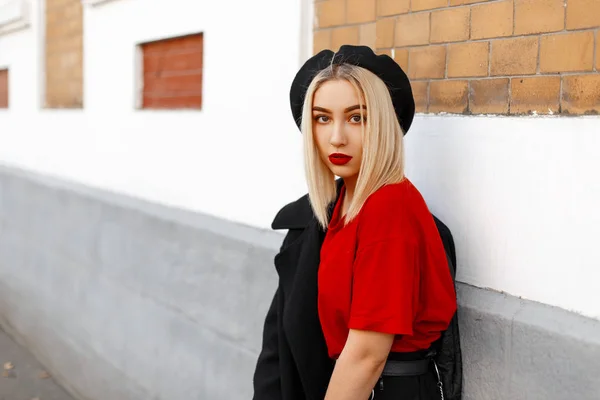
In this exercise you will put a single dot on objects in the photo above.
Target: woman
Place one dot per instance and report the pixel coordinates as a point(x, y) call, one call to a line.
point(364, 284)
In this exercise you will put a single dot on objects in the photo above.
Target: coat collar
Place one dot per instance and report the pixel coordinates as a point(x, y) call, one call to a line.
point(298, 265)
point(296, 215)
point(299, 214)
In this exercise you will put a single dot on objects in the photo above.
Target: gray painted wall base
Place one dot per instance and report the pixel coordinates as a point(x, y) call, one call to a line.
point(125, 300)
point(521, 350)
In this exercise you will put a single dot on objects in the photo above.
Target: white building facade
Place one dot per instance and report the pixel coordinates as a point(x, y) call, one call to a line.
point(520, 194)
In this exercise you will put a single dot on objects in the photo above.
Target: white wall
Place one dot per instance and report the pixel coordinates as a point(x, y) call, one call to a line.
point(521, 197)
point(520, 194)
point(222, 160)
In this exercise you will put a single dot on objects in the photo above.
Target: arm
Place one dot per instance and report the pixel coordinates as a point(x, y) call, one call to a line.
point(384, 290)
point(267, 383)
point(360, 365)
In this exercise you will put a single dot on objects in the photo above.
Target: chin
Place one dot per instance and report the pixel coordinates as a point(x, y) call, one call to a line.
point(343, 172)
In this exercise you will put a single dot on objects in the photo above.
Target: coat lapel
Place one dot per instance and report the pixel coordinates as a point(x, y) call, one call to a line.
point(301, 319)
point(298, 267)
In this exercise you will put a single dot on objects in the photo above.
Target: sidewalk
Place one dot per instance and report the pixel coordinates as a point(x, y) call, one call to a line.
point(22, 377)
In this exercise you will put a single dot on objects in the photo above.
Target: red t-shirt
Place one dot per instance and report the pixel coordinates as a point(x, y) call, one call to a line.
point(386, 271)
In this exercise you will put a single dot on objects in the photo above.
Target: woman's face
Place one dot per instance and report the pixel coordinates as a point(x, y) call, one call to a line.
point(337, 118)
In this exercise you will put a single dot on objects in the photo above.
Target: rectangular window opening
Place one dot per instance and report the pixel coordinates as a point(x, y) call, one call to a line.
point(4, 88)
point(171, 73)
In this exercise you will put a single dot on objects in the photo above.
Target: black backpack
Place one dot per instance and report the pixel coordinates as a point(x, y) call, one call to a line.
point(446, 351)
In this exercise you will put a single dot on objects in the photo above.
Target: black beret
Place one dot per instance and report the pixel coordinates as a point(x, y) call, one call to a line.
point(381, 65)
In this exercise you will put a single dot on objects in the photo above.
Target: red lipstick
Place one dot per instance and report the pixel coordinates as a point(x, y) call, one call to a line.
point(339, 158)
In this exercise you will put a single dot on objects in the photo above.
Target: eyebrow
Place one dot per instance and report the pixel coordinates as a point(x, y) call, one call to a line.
point(351, 108)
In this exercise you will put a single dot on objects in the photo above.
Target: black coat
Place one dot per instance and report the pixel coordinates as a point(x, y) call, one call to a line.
point(293, 363)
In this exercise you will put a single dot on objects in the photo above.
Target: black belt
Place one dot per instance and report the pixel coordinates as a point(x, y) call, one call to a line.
point(409, 367)
point(406, 368)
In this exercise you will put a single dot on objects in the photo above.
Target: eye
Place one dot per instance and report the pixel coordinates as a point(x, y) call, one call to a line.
point(322, 119)
point(357, 118)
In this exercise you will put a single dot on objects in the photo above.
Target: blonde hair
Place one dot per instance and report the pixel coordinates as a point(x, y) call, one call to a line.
point(383, 150)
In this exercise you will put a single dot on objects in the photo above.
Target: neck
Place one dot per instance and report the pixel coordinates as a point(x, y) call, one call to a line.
point(350, 184)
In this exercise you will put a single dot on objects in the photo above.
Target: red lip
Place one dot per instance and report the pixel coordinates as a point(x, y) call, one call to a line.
point(339, 158)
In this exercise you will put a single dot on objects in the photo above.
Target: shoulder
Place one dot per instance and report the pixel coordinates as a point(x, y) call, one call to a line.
point(295, 215)
point(394, 210)
point(401, 199)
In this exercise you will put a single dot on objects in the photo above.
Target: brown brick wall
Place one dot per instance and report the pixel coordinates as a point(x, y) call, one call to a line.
point(479, 56)
point(172, 70)
point(3, 88)
point(64, 54)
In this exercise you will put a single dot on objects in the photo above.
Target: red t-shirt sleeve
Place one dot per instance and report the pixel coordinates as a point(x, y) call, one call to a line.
point(385, 285)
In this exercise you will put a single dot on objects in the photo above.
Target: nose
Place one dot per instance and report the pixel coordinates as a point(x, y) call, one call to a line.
point(338, 135)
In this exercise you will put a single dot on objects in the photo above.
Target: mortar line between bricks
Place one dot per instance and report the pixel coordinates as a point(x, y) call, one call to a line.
point(446, 62)
point(393, 31)
point(565, 32)
point(496, 39)
point(490, 58)
point(428, 96)
point(514, 17)
point(539, 55)
point(449, 7)
point(510, 98)
point(509, 77)
point(334, 27)
point(431, 10)
point(560, 96)
point(470, 24)
point(597, 33)
point(430, 24)
point(566, 9)
point(469, 96)
point(561, 73)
